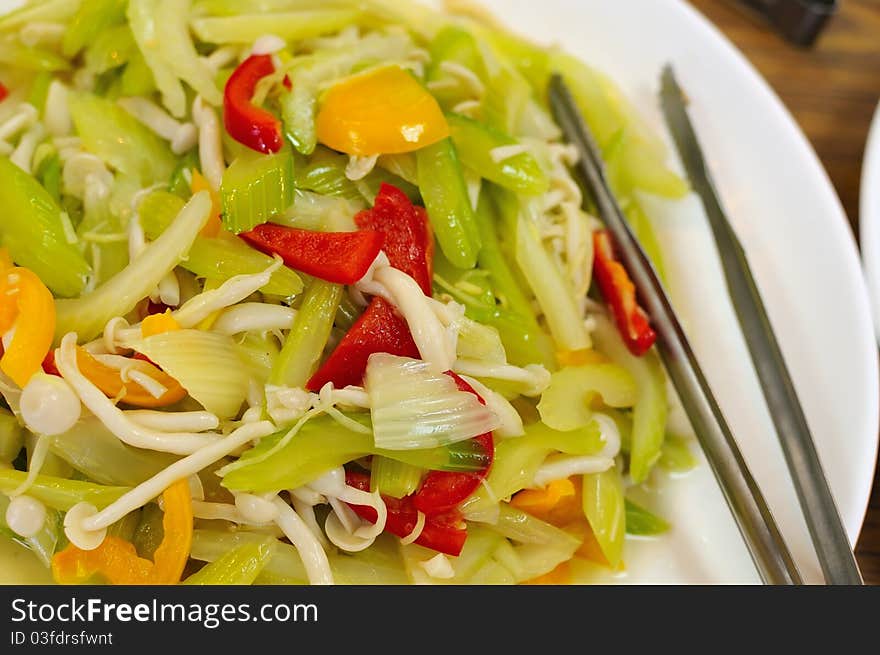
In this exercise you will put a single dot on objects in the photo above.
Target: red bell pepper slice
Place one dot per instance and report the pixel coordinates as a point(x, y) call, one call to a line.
point(409, 243)
point(3, 92)
point(247, 123)
point(620, 294)
point(339, 257)
point(380, 329)
point(442, 533)
point(442, 491)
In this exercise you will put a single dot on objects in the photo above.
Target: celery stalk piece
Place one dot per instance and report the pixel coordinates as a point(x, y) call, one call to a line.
point(457, 45)
point(259, 352)
point(88, 314)
point(394, 478)
point(49, 175)
point(524, 528)
point(285, 563)
point(44, 543)
point(51, 10)
point(603, 505)
point(532, 61)
point(380, 564)
point(239, 566)
point(676, 455)
point(290, 25)
point(112, 48)
point(642, 522)
point(547, 281)
point(91, 20)
point(60, 493)
point(323, 444)
point(324, 173)
point(449, 207)
point(11, 437)
point(307, 338)
point(475, 142)
point(565, 404)
point(137, 78)
point(477, 552)
point(115, 136)
point(142, 19)
point(236, 7)
point(39, 91)
point(177, 49)
point(215, 258)
point(650, 410)
point(15, 55)
point(149, 531)
point(33, 232)
point(507, 95)
point(298, 110)
point(95, 452)
point(644, 232)
point(256, 187)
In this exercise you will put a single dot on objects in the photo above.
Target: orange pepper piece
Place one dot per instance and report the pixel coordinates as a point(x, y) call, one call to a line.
point(215, 222)
point(383, 111)
point(540, 502)
point(580, 357)
point(27, 305)
point(109, 381)
point(117, 560)
point(158, 324)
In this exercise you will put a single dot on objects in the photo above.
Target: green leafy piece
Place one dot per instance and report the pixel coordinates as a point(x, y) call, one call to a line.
point(641, 522)
point(255, 188)
point(34, 234)
point(114, 135)
point(475, 143)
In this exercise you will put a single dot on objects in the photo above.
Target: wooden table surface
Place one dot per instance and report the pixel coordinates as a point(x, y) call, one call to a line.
point(832, 89)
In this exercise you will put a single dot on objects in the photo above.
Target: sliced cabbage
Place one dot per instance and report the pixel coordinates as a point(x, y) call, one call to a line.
point(414, 407)
point(206, 364)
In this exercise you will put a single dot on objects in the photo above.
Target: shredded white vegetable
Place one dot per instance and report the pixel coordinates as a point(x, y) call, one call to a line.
point(310, 550)
point(254, 317)
point(210, 142)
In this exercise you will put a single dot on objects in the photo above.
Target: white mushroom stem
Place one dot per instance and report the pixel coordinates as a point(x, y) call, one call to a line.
point(182, 136)
point(210, 142)
point(126, 430)
point(174, 421)
point(254, 317)
point(313, 556)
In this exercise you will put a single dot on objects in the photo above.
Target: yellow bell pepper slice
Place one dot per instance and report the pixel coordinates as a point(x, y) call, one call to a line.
point(28, 306)
point(215, 222)
point(383, 111)
point(117, 561)
point(158, 324)
point(109, 381)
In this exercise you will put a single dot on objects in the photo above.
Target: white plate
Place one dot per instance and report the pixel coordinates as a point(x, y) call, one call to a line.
point(795, 232)
point(869, 217)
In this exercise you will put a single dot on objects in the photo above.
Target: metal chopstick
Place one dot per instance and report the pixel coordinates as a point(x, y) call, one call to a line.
point(826, 529)
point(750, 511)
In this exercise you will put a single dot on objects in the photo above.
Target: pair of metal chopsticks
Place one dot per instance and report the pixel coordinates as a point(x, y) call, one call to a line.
point(769, 552)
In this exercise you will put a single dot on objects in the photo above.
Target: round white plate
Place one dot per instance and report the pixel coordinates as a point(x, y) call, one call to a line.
point(797, 238)
point(869, 217)
point(804, 258)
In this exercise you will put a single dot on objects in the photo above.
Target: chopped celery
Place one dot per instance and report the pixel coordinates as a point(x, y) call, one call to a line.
point(125, 527)
point(258, 352)
point(507, 95)
point(475, 143)
point(676, 455)
point(11, 437)
point(650, 409)
point(565, 404)
point(255, 187)
point(149, 532)
point(49, 174)
point(524, 528)
point(307, 338)
point(603, 503)
point(92, 20)
point(457, 45)
point(478, 549)
point(290, 26)
point(324, 173)
point(88, 314)
point(394, 478)
point(449, 207)
point(106, 234)
point(480, 342)
point(532, 61)
point(111, 49)
point(298, 114)
point(551, 287)
point(15, 55)
point(641, 522)
point(205, 363)
point(50, 10)
point(157, 211)
point(285, 563)
point(311, 211)
point(142, 20)
point(380, 564)
point(33, 232)
point(239, 566)
point(98, 454)
point(42, 544)
point(181, 176)
point(137, 78)
point(40, 90)
point(177, 49)
point(517, 460)
point(644, 232)
point(235, 7)
point(493, 573)
point(323, 444)
point(60, 493)
point(114, 135)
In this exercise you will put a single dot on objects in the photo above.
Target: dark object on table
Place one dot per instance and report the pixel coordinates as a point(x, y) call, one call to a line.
point(799, 21)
